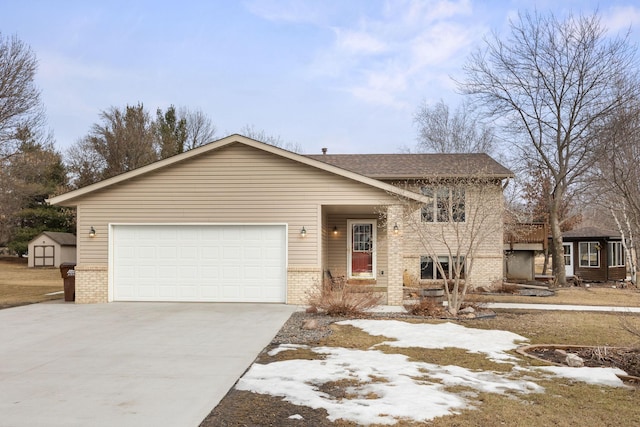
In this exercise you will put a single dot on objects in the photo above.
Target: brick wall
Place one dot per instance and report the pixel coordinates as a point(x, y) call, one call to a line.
point(300, 281)
point(92, 284)
point(395, 263)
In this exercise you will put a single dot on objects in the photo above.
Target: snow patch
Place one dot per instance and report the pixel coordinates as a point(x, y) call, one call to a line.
point(493, 343)
point(597, 376)
point(383, 387)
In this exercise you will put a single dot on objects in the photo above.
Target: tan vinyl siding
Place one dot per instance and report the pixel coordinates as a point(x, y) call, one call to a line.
point(235, 184)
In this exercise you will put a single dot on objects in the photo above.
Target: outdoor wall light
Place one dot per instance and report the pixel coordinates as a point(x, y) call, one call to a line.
point(396, 230)
point(92, 232)
point(303, 232)
point(335, 230)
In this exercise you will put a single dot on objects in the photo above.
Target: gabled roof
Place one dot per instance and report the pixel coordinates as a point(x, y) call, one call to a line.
point(70, 198)
point(591, 232)
point(417, 166)
point(63, 239)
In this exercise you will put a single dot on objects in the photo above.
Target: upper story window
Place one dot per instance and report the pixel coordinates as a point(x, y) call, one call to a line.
point(616, 254)
point(589, 254)
point(447, 204)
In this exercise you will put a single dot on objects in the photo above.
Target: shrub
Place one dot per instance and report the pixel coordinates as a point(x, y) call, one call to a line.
point(336, 298)
point(426, 307)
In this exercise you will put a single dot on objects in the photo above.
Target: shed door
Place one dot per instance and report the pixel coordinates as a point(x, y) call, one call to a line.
point(44, 256)
point(221, 263)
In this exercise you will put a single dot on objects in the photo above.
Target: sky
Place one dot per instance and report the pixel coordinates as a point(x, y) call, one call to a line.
point(346, 75)
point(385, 387)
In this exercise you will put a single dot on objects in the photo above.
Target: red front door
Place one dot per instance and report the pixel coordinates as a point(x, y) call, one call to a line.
point(361, 250)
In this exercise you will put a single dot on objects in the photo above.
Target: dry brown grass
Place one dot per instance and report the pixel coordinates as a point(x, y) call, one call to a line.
point(22, 285)
point(564, 403)
point(595, 295)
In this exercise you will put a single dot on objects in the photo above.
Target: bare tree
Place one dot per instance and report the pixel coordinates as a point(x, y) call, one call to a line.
point(200, 128)
point(260, 135)
point(549, 84)
point(439, 131)
point(458, 224)
point(20, 106)
point(84, 164)
point(616, 177)
point(125, 140)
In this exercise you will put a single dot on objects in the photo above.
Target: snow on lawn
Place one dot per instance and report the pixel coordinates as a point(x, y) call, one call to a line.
point(597, 376)
point(384, 388)
point(493, 343)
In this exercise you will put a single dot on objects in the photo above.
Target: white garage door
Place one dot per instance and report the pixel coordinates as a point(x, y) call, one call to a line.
point(223, 263)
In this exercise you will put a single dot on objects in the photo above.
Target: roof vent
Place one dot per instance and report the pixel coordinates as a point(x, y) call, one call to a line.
point(324, 150)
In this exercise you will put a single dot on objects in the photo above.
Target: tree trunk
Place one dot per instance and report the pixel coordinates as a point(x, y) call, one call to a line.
point(557, 251)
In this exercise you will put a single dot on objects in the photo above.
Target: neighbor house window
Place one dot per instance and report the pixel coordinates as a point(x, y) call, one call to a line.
point(445, 204)
point(616, 254)
point(589, 254)
point(429, 269)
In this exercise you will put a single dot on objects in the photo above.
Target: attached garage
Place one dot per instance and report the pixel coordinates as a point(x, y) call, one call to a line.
point(199, 262)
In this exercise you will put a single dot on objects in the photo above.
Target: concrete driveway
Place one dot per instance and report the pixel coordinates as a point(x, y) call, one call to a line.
point(126, 364)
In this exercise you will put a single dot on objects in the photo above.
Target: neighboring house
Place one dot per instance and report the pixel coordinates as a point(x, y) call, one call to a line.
point(51, 248)
point(238, 220)
point(593, 254)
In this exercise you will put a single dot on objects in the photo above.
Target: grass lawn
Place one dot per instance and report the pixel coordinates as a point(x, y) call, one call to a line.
point(593, 295)
point(20, 284)
point(563, 403)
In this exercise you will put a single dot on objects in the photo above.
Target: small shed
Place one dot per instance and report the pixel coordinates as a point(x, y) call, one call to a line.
point(594, 254)
point(51, 248)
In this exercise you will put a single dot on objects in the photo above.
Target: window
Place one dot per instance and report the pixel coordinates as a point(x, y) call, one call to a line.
point(616, 254)
point(589, 254)
point(429, 269)
point(445, 204)
point(567, 254)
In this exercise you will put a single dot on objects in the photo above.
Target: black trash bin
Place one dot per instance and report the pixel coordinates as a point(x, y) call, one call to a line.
point(68, 273)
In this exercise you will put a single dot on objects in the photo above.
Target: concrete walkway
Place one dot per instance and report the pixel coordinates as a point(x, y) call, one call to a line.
point(126, 364)
point(562, 307)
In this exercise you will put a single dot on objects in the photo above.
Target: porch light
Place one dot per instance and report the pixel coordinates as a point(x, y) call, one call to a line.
point(335, 230)
point(303, 232)
point(92, 232)
point(396, 230)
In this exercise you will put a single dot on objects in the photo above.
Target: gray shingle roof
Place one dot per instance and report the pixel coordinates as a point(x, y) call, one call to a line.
point(417, 166)
point(64, 239)
point(591, 232)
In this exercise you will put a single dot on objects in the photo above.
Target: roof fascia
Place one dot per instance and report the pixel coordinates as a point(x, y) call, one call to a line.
point(64, 199)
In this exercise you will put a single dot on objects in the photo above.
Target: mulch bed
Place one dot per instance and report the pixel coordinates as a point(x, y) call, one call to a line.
point(627, 359)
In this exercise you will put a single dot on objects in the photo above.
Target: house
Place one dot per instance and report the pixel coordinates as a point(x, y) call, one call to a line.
point(51, 248)
point(594, 255)
point(238, 220)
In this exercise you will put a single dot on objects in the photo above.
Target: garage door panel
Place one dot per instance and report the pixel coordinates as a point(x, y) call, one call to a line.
point(243, 263)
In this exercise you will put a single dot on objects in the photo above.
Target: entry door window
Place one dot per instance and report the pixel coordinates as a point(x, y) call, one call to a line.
point(568, 258)
point(361, 251)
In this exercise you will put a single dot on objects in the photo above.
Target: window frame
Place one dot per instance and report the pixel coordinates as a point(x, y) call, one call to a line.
point(444, 260)
point(589, 246)
point(617, 255)
point(437, 211)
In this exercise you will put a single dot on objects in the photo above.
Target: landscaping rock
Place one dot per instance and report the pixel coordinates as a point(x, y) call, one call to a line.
point(467, 310)
point(310, 324)
point(574, 361)
point(560, 351)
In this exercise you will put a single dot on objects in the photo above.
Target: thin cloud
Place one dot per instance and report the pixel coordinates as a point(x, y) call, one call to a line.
point(382, 58)
point(620, 19)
